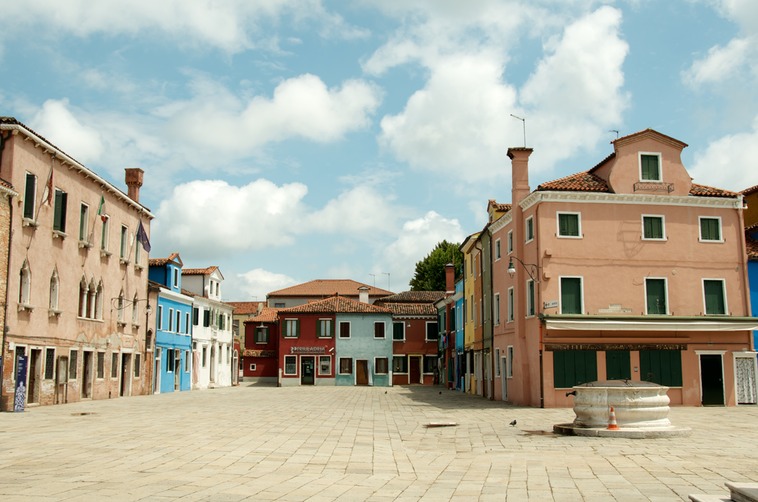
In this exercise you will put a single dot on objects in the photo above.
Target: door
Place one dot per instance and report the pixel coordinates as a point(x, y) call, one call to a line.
point(33, 389)
point(87, 374)
point(617, 365)
point(157, 371)
point(712, 379)
point(747, 393)
point(414, 369)
point(361, 372)
point(126, 360)
point(504, 377)
point(307, 367)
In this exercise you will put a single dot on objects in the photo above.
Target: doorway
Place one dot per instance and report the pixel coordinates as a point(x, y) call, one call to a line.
point(747, 388)
point(157, 371)
point(414, 369)
point(712, 379)
point(361, 372)
point(33, 389)
point(126, 360)
point(87, 375)
point(504, 377)
point(307, 366)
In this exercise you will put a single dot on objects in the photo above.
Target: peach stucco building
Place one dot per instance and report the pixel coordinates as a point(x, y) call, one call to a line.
point(75, 307)
point(626, 271)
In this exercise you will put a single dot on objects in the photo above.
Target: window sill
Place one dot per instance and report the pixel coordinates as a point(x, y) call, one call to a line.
point(26, 222)
point(123, 261)
point(654, 239)
point(57, 234)
point(138, 267)
point(25, 307)
point(120, 324)
point(570, 236)
point(105, 253)
point(85, 245)
point(711, 241)
point(54, 312)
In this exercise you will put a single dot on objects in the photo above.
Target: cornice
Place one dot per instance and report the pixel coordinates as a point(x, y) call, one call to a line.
point(500, 223)
point(641, 199)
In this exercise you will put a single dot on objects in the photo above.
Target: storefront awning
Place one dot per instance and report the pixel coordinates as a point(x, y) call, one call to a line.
point(649, 323)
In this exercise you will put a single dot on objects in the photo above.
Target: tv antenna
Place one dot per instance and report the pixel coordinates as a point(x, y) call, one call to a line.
point(616, 131)
point(523, 125)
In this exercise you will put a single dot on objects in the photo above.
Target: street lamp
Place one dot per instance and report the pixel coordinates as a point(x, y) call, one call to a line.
point(532, 273)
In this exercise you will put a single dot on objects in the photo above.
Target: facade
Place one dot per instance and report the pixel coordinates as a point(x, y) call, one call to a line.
point(76, 304)
point(242, 312)
point(446, 323)
point(460, 353)
point(626, 271)
point(214, 356)
point(415, 336)
point(469, 251)
point(172, 366)
point(260, 356)
point(321, 289)
point(752, 273)
point(750, 197)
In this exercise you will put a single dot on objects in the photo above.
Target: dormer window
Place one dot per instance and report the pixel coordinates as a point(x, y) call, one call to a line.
point(176, 278)
point(650, 167)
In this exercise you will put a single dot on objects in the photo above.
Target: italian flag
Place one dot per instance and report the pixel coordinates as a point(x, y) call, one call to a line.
point(101, 209)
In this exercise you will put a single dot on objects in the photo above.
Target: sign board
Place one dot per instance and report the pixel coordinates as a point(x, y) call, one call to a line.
point(20, 397)
point(550, 305)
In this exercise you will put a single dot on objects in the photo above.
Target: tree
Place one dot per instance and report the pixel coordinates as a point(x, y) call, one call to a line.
point(430, 272)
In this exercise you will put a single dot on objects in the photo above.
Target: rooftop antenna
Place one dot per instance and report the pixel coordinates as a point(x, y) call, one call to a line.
point(374, 276)
point(616, 131)
point(523, 124)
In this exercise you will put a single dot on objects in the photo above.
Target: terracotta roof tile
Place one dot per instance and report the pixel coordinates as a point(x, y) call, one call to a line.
point(706, 191)
point(329, 287)
point(246, 308)
point(412, 309)
point(580, 182)
point(335, 305)
point(752, 248)
point(159, 262)
point(413, 297)
point(268, 314)
point(199, 271)
point(750, 191)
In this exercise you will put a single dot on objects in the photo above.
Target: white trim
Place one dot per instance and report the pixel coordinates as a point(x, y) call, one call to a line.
point(644, 199)
point(375, 371)
point(578, 215)
point(509, 242)
point(496, 305)
point(581, 291)
point(666, 292)
point(527, 239)
point(426, 331)
point(511, 305)
point(284, 370)
point(339, 330)
point(700, 230)
point(393, 331)
point(286, 333)
point(723, 293)
point(318, 362)
point(648, 325)
point(509, 354)
point(498, 251)
point(660, 166)
point(384, 330)
point(500, 223)
point(663, 227)
point(750, 355)
point(532, 300)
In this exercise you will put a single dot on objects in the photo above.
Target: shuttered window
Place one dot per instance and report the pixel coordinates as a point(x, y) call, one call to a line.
point(652, 227)
point(655, 290)
point(574, 367)
point(568, 224)
point(571, 295)
point(325, 328)
point(30, 195)
point(715, 302)
point(59, 212)
point(617, 365)
point(710, 229)
point(663, 367)
point(650, 169)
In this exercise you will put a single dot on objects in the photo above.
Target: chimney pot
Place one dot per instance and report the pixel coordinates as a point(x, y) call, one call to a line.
point(134, 176)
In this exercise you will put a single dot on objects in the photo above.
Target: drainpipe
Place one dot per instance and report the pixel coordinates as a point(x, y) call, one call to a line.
point(3, 140)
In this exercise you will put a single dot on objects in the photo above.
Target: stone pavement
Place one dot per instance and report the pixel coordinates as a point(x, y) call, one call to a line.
point(351, 443)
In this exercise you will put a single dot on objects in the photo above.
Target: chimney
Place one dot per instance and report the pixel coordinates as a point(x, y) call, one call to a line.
point(519, 173)
point(450, 278)
point(363, 294)
point(134, 181)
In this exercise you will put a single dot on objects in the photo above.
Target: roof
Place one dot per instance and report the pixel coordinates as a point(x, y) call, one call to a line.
point(268, 314)
point(159, 262)
point(246, 308)
point(750, 191)
point(648, 133)
point(199, 271)
point(413, 297)
point(335, 305)
point(498, 206)
point(329, 287)
point(751, 245)
point(589, 182)
point(412, 309)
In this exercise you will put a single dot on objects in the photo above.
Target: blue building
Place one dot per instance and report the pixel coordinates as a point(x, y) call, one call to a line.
point(752, 273)
point(173, 329)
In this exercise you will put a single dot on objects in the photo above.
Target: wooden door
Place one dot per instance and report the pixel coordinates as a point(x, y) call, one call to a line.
point(415, 369)
point(361, 372)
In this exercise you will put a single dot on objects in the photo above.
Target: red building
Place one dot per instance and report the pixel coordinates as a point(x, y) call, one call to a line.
point(260, 357)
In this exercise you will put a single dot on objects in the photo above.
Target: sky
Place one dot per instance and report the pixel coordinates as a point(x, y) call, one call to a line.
point(291, 140)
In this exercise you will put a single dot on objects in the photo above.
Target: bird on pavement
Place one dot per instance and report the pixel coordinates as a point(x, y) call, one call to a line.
point(513, 424)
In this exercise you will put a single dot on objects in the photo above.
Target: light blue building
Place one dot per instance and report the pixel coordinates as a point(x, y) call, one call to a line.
point(752, 273)
point(173, 330)
point(363, 344)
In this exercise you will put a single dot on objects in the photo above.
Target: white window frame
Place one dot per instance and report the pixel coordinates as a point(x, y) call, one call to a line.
point(509, 359)
point(496, 301)
point(723, 293)
point(31, 204)
point(329, 322)
point(349, 330)
point(170, 320)
point(318, 371)
point(287, 323)
point(105, 232)
point(393, 331)
point(285, 365)
point(160, 317)
point(498, 254)
point(666, 288)
point(124, 243)
point(352, 364)
point(376, 372)
point(426, 331)
point(384, 330)
point(578, 224)
point(660, 166)
point(529, 223)
point(700, 229)
point(509, 241)
point(531, 301)
point(511, 305)
point(663, 227)
point(497, 362)
point(83, 221)
point(581, 291)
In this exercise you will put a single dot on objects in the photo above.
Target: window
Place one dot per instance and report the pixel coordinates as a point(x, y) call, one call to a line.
point(252, 367)
point(195, 316)
point(653, 228)
point(381, 366)
point(124, 248)
point(49, 364)
point(344, 329)
point(206, 318)
point(204, 361)
point(135, 311)
point(325, 328)
point(170, 320)
point(569, 225)
point(432, 331)
point(571, 295)
point(170, 360)
point(710, 229)
point(25, 284)
point(104, 232)
point(509, 243)
point(509, 355)
point(83, 221)
point(650, 167)
point(120, 306)
point(379, 330)
point(291, 328)
point(530, 298)
point(176, 277)
point(101, 365)
point(59, 211)
point(137, 365)
point(73, 361)
point(346, 366)
point(497, 308)
point(617, 365)
point(160, 316)
point(30, 196)
point(261, 334)
point(574, 367)
point(529, 229)
point(398, 331)
point(187, 361)
point(430, 364)
point(714, 292)
point(187, 322)
point(99, 301)
point(279, 305)
point(663, 367)
point(137, 253)
point(655, 296)
point(54, 287)
point(511, 305)
point(497, 249)
point(324, 365)
point(114, 365)
point(399, 364)
point(497, 362)
point(178, 321)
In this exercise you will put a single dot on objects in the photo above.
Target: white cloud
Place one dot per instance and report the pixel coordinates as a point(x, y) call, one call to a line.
point(302, 107)
point(417, 239)
point(728, 162)
point(360, 211)
point(211, 218)
point(56, 122)
point(255, 284)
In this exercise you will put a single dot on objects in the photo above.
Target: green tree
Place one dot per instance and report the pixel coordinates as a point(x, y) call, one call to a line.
point(430, 272)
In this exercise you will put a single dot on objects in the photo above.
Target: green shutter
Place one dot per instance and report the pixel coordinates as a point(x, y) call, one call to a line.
point(29, 195)
point(574, 367)
point(571, 295)
point(709, 229)
point(59, 215)
point(650, 170)
point(318, 328)
point(653, 227)
point(617, 365)
point(568, 225)
point(663, 367)
point(714, 297)
point(656, 296)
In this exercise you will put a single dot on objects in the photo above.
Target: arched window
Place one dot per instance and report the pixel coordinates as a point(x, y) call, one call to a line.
point(99, 301)
point(25, 284)
point(120, 306)
point(83, 298)
point(134, 309)
point(91, 295)
point(54, 287)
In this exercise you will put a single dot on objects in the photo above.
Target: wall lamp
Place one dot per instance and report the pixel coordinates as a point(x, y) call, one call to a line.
point(531, 269)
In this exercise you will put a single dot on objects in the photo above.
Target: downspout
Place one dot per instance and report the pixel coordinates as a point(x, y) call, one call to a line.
point(3, 139)
point(743, 258)
point(540, 264)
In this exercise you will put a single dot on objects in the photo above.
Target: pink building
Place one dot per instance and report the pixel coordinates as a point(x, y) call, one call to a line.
point(626, 271)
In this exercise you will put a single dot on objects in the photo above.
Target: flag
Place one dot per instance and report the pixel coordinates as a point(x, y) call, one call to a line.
point(142, 238)
point(101, 209)
point(47, 194)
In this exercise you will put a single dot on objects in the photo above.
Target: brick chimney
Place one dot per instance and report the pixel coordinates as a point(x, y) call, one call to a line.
point(450, 278)
point(363, 294)
point(519, 173)
point(134, 177)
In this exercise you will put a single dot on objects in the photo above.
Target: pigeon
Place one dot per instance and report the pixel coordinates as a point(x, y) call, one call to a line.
point(385, 391)
point(513, 424)
point(440, 393)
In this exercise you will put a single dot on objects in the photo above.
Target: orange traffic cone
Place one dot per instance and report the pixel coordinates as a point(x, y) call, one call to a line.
point(612, 425)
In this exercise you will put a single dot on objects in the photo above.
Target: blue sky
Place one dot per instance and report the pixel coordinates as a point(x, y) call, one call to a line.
point(290, 140)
